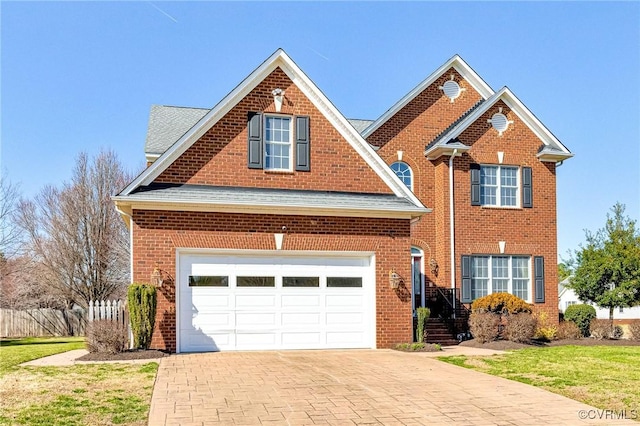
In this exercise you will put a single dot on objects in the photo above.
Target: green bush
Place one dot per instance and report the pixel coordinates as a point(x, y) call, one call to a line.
point(581, 315)
point(500, 303)
point(423, 315)
point(484, 326)
point(142, 301)
point(520, 327)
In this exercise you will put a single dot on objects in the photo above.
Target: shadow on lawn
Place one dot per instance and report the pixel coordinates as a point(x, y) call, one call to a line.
point(37, 341)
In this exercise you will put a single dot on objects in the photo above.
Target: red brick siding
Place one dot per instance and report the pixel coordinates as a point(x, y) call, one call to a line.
point(157, 234)
point(219, 157)
point(526, 231)
point(477, 229)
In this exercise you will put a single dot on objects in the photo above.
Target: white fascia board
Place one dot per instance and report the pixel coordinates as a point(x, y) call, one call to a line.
point(519, 109)
point(459, 65)
point(128, 205)
point(531, 120)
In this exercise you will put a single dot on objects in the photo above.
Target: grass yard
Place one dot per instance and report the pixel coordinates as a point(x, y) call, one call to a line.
point(87, 394)
point(17, 351)
point(606, 377)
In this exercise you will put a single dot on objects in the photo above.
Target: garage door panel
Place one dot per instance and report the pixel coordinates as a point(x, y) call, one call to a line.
point(301, 339)
point(253, 340)
point(255, 300)
point(256, 319)
point(340, 301)
point(344, 338)
point(344, 318)
point(287, 305)
point(204, 300)
point(213, 320)
point(298, 319)
point(294, 301)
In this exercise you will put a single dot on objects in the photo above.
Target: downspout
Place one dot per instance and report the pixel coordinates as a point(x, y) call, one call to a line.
point(452, 234)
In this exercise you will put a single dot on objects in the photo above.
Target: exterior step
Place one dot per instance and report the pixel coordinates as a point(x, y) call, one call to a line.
point(438, 332)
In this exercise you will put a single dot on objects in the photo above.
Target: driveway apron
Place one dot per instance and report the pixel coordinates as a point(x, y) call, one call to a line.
point(348, 387)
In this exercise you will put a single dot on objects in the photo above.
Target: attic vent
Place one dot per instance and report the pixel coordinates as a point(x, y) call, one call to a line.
point(499, 122)
point(451, 89)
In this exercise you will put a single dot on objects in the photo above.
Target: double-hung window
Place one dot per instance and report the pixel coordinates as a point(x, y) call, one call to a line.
point(499, 186)
point(494, 274)
point(277, 143)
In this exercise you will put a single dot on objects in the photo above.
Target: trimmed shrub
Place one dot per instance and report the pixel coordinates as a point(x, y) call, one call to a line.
point(500, 303)
point(520, 327)
point(484, 326)
point(544, 330)
point(600, 329)
point(142, 301)
point(423, 315)
point(569, 330)
point(634, 329)
point(106, 336)
point(581, 315)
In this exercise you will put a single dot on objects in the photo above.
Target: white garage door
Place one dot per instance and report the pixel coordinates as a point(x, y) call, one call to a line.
point(273, 302)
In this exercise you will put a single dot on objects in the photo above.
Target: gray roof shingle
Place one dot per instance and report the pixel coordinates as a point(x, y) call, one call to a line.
point(167, 124)
point(268, 197)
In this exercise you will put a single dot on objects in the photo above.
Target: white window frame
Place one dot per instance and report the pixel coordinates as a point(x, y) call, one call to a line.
point(402, 178)
point(499, 168)
point(417, 287)
point(510, 278)
point(267, 142)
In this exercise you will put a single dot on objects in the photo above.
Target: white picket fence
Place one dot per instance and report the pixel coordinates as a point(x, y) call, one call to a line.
point(115, 310)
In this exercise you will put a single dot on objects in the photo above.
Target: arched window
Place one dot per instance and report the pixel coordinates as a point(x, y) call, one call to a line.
point(403, 171)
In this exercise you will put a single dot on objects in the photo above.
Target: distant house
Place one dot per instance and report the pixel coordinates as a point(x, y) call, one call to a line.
point(568, 297)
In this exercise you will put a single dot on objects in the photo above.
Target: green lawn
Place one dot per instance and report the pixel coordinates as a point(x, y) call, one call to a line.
point(16, 351)
point(606, 377)
point(87, 394)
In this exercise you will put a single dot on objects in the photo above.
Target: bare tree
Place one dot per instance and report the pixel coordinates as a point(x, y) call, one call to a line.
point(9, 231)
point(75, 235)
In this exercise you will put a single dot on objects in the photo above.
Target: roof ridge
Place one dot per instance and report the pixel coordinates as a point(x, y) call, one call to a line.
point(464, 115)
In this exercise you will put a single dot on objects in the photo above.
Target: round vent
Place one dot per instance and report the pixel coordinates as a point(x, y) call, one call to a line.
point(499, 122)
point(451, 89)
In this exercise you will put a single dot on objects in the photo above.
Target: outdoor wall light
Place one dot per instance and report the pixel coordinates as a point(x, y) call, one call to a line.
point(156, 277)
point(394, 279)
point(278, 96)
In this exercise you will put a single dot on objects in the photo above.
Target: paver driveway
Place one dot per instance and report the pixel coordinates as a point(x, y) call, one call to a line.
point(346, 387)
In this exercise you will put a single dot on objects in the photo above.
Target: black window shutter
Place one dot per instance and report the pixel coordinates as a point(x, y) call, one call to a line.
point(254, 146)
point(303, 155)
point(466, 296)
point(527, 194)
point(475, 184)
point(539, 278)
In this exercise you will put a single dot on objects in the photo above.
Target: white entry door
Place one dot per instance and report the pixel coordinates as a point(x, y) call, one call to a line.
point(234, 302)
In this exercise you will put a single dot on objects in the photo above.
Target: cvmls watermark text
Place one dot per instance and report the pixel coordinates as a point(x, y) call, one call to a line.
point(609, 414)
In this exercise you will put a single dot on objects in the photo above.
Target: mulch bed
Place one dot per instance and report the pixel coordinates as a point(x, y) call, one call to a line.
point(124, 356)
point(505, 345)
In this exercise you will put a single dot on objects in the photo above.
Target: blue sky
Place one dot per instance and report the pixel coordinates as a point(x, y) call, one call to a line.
point(81, 76)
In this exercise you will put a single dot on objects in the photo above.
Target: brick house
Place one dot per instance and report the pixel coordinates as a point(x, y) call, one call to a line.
point(276, 223)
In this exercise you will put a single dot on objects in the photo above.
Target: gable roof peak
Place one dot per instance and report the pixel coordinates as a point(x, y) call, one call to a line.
point(309, 89)
point(455, 62)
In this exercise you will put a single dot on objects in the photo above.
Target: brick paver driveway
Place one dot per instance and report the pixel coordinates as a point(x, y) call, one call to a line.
point(346, 387)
